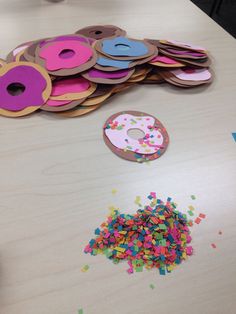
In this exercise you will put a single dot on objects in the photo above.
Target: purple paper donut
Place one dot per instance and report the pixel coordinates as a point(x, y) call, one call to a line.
point(22, 85)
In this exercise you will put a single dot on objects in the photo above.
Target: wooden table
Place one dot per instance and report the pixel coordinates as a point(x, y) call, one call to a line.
point(57, 175)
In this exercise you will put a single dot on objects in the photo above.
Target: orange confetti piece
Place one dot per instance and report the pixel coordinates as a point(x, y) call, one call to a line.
point(202, 216)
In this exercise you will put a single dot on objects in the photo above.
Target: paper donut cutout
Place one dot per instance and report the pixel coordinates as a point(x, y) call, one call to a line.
point(24, 88)
point(151, 146)
point(67, 57)
point(123, 48)
point(101, 31)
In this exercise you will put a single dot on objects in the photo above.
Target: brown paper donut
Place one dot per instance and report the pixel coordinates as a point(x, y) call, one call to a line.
point(101, 31)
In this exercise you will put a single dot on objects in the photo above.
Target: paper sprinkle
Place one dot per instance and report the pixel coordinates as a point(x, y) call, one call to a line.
point(156, 236)
point(137, 201)
point(193, 197)
point(202, 216)
point(213, 245)
point(234, 136)
point(190, 213)
point(85, 267)
point(113, 191)
point(80, 311)
point(197, 220)
point(152, 286)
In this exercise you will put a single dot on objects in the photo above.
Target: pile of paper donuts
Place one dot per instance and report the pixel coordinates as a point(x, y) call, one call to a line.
point(71, 75)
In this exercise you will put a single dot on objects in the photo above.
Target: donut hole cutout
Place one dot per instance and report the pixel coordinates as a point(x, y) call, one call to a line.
point(122, 47)
point(136, 134)
point(66, 53)
point(98, 32)
point(15, 89)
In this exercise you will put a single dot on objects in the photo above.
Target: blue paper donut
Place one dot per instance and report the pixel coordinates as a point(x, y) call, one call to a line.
point(124, 47)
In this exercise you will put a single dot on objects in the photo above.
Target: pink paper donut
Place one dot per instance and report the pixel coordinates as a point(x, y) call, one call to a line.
point(66, 54)
point(151, 146)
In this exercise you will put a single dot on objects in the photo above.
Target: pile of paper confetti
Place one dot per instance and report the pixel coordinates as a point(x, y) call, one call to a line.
point(157, 236)
point(72, 75)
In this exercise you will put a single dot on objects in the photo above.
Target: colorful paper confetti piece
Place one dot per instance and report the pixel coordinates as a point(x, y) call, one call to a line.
point(193, 197)
point(86, 267)
point(137, 201)
point(190, 213)
point(220, 232)
point(80, 311)
point(113, 191)
point(202, 216)
point(191, 208)
point(213, 245)
point(234, 136)
point(197, 220)
point(152, 286)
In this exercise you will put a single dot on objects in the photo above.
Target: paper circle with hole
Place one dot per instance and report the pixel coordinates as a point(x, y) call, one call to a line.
point(65, 57)
point(101, 31)
point(135, 136)
point(24, 87)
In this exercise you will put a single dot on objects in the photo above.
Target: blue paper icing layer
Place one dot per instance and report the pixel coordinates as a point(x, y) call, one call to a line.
point(124, 47)
point(113, 63)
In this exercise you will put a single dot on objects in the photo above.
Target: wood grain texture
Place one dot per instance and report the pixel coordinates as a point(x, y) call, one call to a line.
point(57, 175)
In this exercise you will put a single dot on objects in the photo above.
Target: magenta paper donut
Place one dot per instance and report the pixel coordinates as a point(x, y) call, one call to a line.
point(150, 146)
point(24, 87)
point(65, 57)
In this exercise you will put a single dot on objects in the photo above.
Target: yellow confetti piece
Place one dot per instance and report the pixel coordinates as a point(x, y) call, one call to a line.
point(85, 268)
point(113, 191)
point(120, 249)
point(191, 208)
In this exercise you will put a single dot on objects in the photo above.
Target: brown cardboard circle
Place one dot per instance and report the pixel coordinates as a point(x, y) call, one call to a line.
point(132, 156)
point(101, 31)
point(78, 111)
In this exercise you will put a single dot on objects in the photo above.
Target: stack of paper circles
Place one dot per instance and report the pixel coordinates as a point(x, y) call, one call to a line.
point(71, 75)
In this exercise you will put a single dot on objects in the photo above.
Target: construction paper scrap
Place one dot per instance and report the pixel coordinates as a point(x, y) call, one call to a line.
point(137, 200)
point(234, 136)
point(85, 268)
point(197, 220)
point(202, 215)
point(213, 245)
point(156, 236)
point(152, 286)
point(193, 197)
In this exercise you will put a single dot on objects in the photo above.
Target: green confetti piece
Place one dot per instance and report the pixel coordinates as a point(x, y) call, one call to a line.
point(80, 311)
point(162, 226)
point(190, 213)
point(152, 286)
point(193, 197)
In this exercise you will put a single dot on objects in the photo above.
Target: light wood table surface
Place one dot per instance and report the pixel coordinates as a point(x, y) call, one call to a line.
point(57, 175)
